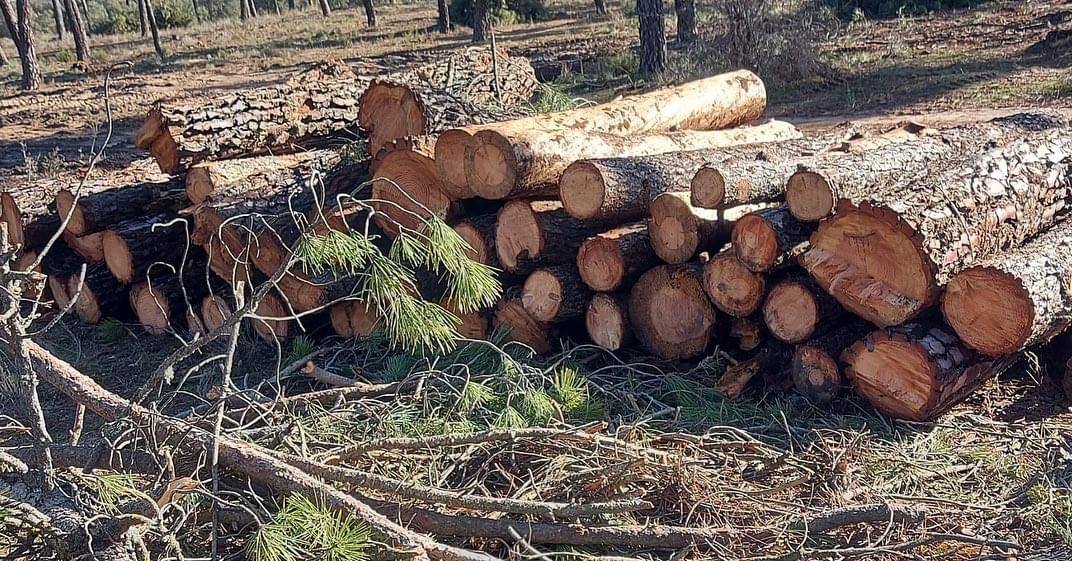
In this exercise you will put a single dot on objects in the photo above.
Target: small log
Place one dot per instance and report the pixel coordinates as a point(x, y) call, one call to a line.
point(227, 244)
point(750, 173)
point(533, 234)
point(816, 364)
point(275, 326)
point(354, 318)
point(530, 163)
point(614, 259)
point(669, 312)
point(768, 364)
point(89, 247)
point(520, 326)
point(101, 206)
point(406, 192)
point(769, 237)
point(679, 231)
point(30, 223)
point(748, 331)
point(607, 320)
point(796, 308)
point(555, 294)
point(732, 287)
point(215, 309)
point(260, 177)
point(474, 325)
point(916, 371)
point(479, 233)
point(162, 300)
point(132, 247)
point(99, 294)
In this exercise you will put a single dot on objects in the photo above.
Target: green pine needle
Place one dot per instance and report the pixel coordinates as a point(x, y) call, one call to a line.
point(510, 418)
point(306, 529)
point(335, 251)
point(538, 407)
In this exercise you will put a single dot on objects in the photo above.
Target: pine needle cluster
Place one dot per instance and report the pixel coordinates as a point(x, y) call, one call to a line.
point(305, 529)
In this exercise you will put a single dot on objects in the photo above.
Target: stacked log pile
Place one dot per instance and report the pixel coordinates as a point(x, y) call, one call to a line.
point(911, 265)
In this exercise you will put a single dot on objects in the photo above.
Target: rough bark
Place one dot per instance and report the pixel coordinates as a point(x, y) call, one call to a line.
point(796, 309)
point(748, 331)
point(679, 231)
point(31, 71)
point(315, 103)
point(370, 13)
point(916, 371)
point(442, 16)
point(732, 287)
point(612, 260)
point(601, 7)
point(78, 30)
point(57, 18)
point(481, 20)
point(520, 326)
point(260, 176)
point(102, 205)
point(153, 28)
point(770, 237)
point(670, 315)
point(685, 10)
point(652, 30)
point(555, 294)
point(99, 294)
point(816, 365)
point(607, 320)
point(533, 234)
point(325, 8)
point(885, 258)
point(751, 173)
point(143, 17)
point(1016, 299)
point(132, 247)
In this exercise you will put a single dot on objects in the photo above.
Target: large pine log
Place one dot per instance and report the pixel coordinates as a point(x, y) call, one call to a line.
point(97, 295)
point(271, 319)
point(406, 192)
point(315, 103)
point(1016, 299)
point(102, 205)
point(916, 371)
point(607, 320)
point(769, 237)
point(669, 312)
point(530, 163)
point(555, 294)
point(474, 324)
point(678, 230)
point(813, 191)
point(750, 173)
point(816, 365)
point(795, 309)
point(732, 287)
point(30, 222)
point(520, 326)
point(261, 177)
point(452, 91)
point(532, 234)
point(884, 261)
point(613, 259)
point(215, 309)
point(354, 319)
point(132, 247)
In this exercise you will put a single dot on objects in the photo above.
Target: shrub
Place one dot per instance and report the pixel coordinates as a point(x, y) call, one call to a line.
point(502, 12)
point(760, 37)
point(881, 9)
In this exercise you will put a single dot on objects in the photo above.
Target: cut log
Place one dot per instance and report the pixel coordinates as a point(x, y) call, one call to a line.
point(479, 233)
point(161, 301)
point(315, 103)
point(748, 331)
point(916, 371)
point(669, 312)
point(272, 321)
point(1016, 299)
point(607, 320)
point(530, 163)
point(353, 318)
point(533, 234)
point(101, 206)
point(751, 173)
point(99, 294)
point(306, 292)
point(520, 326)
point(732, 287)
point(813, 192)
point(227, 245)
point(555, 294)
point(30, 223)
point(816, 365)
point(796, 308)
point(768, 364)
point(406, 192)
point(89, 247)
point(474, 325)
point(132, 247)
point(885, 263)
point(614, 259)
point(678, 231)
point(215, 310)
point(770, 237)
point(57, 287)
point(259, 177)
point(452, 91)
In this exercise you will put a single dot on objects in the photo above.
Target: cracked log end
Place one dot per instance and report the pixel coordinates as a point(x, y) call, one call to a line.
point(607, 321)
point(673, 229)
point(199, 184)
point(756, 243)
point(542, 295)
point(791, 312)
point(669, 312)
point(601, 264)
point(389, 111)
point(491, 167)
point(450, 162)
point(990, 310)
point(809, 196)
point(406, 192)
point(155, 136)
point(732, 287)
point(582, 189)
point(65, 205)
point(708, 188)
point(518, 234)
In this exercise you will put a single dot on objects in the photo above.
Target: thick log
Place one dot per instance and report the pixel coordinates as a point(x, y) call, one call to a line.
point(406, 192)
point(796, 309)
point(271, 322)
point(530, 163)
point(1016, 299)
point(817, 366)
point(315, 103)
point(30, 222)
point(751, 173)
point(103, 205)
point(215, 309)
point(474, 325)
point(679, 231)
point(669, 312)
point(916, 371)
point(607, 320)
point(163, 299)
point(885, 261)
point(132, 247)
point(555, 294)
point(769, 237)
point(261, 177)
point(354, 318)
point(748, 331)
point(520, 326)
point(533, 234)
point(813, 192)
point(614, 259)
point(57, 287)
point(732, 287)
point(97, 295)
point(89, 247)
point(479, 233)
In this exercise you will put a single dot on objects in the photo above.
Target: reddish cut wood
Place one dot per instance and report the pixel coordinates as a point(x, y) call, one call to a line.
point(30, 222)
point(98, 294)
point(520, 326)
point(795, 309)
point(613, 259)
point(479, 233)
point(354, 318)
point(271, 323)
point(769, 237)
point(607, 320)
point(555, 294)
point(215, 310)
point(678, 230)
point(670, 315)
point(732, 287)
point(817, 366)
point(532, 234)
point(406, 192)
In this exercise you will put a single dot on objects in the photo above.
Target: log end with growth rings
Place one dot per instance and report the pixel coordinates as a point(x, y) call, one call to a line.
point(450, 162)
point(708, 188)
point(990, 310)
point(389, 111)
point(490, 165)
point(214, 311)
point(809, 196)
point(675, 235)
point(756, 243)
point(669, 312)
point(732, 287)
point(199, 184)
point(542, 295)
point(151, 307)
point(607, 322)
point(65, 204)
point(406, 192)
point(601, 264)
point(893, 373)
point(517, 234)
point(582, 189)
point(118, 257)
point(791, 312)
point(816, 374)
point(87, 302)
point(154, 135)
point(520, 326)
point(478, 246)
point(12, 217)
point(272, 328)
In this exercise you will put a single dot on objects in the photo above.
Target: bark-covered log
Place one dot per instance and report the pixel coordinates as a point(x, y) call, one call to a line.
point(261, 177)
point(732, 287)
point(102, 205)
point(813, 191)
point(770, 237)
point(678, 230)
point(613, 259)
point(314, 103)
point(215, 309)
point(270, 319)
point(479, 233)
point(670, 315)
point(163, 299)
point(884, 260)
point(406, 192)
point(816, 364)
point(795, 309)
point(132, 247)
point(520, 326)
point(768, 364)
point(916, 371)
point(748, 331)
point(555, 294)
point(474, 324)
point(1015, 299)
point(89, 247)
point(97, 295)
point(533, 234)
point(530, 163)
point(30, 222)
point(607, 320)
point(226, 243)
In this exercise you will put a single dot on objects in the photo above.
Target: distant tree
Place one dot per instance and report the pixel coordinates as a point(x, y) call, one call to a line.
point(290, 5)
point(652, 37)
point(480, 20)
point(601, 7)
point(154, 28)
point(57, 17)
point(3, 57)
point(197, 12)
point(370, 13)
point(78, 29)
point(686, 20)
point(253, 9)
point(143, 17)
point(243, 10)
point(275, 6)
point(443, 23)
point(325, 8)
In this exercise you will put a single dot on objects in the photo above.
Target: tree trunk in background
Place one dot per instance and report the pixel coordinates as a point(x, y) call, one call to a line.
point(291, 6)
point(3, 57)
point(243, 10)
point(686, 20)
point(31, 72)
point(444, 16)
point(652, 37)
point(601, 7)
point(275, 6)
point(143, 17)
point(154, 29)
point(197, 13)
point(57, 16)
point(480, 21)
point(325, 8)
point(253, 9)
point(370, 13)
point(12, 23)
point(78, 29)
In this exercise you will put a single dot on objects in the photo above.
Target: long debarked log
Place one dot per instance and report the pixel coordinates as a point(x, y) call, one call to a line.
point(532, 234)
point(103, 205)
point(315, 103)
point(796, 308)
point(916, 371)
point(769, 237)
point(669, 312)
point(520, 326)
point(531, 163)
point(678, 231)
point(813, 192)
point(607, 320)
point(885, 261)
point(816, 365)
point(1015, 299)
point(613, 259)
point(97, 295)
point(732, 287)
point(555, 294)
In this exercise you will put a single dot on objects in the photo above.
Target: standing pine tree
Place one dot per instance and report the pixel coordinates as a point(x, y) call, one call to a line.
point(480, 20)
point(143, 18)
point(686, 20)
point(370, 13)
point(57, 16)
point(652, 37)
point(20, 24)
point(243, 10)
point(151, 16)
point(325, 8)
point(601, 7)
point(443, 20)
point(78, 29)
